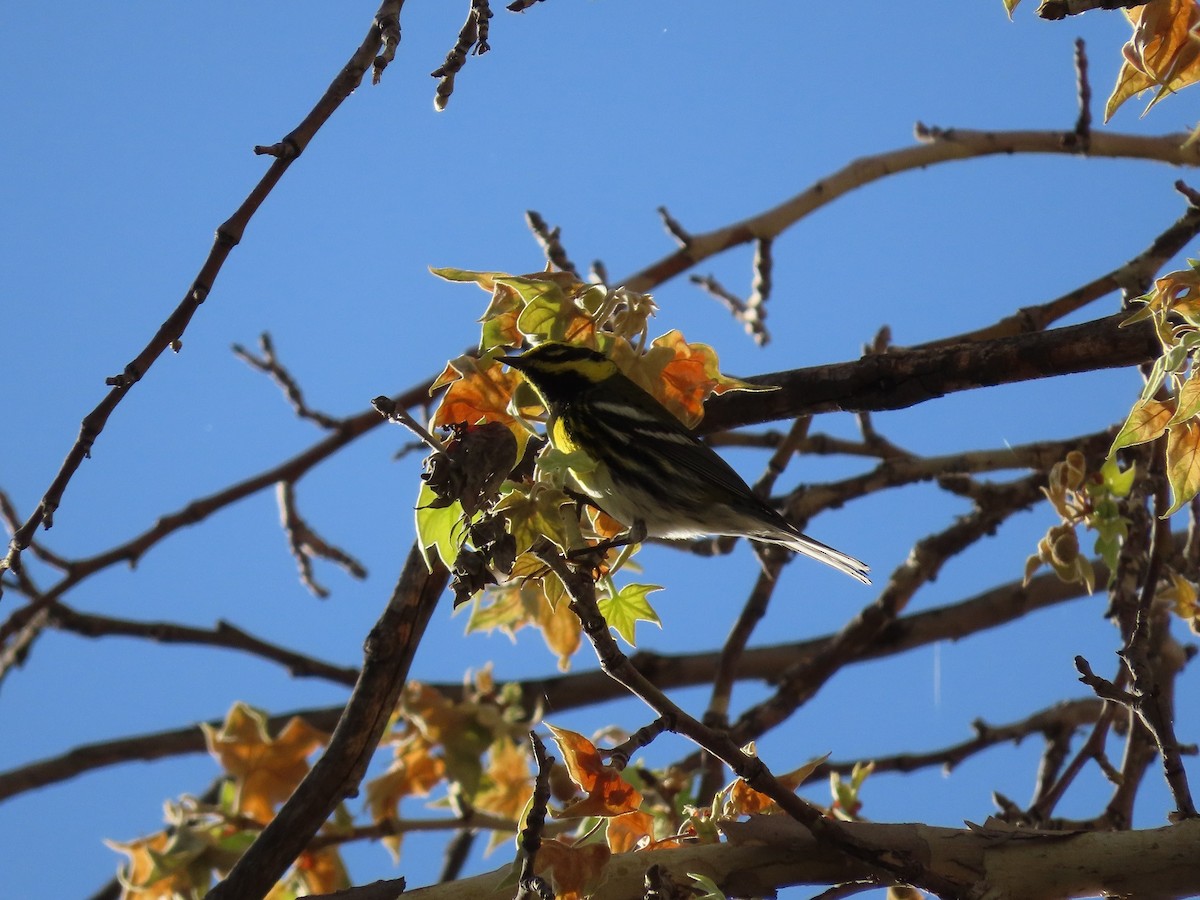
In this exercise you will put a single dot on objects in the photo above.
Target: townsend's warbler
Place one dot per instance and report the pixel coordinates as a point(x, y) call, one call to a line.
point(651, 473)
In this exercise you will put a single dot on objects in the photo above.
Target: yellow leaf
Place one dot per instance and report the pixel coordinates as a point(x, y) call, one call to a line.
point(1188, 400)
point(266, 770)
point(1183, 463)
point(507, 784)
point(561, 630)
point(1147, 420)
point(1161, 53)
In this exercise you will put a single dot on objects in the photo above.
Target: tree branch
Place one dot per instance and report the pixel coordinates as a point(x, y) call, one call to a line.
point(937, 146)
point(229, 234)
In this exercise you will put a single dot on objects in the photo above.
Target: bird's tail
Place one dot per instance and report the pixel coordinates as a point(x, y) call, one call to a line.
point(843, 562)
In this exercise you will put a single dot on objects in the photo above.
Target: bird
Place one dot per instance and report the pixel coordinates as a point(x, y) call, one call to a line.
point(644, 467)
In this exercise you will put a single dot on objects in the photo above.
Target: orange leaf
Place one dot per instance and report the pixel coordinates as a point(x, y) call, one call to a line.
point(480, 394)
point(323, 871)
point(608, 794)
point(414, 771)
point(575, 870)
point(266, 770)
point(561, 631)
point(626, 832)
point(580, 756)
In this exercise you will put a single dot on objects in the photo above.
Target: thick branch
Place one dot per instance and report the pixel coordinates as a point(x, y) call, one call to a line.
point(771, 852)
point(388, 653)
point(903, 378)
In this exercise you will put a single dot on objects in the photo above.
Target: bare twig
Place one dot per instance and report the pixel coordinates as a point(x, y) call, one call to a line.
point(1083, 125)
point(229, 234)
point(271, 365)
point(550, 240)
point(473, 34)
point(755, 318)
point(389, 29)
point(936, 145)
point(682, 236)
point(305, 543)
point(224, 635)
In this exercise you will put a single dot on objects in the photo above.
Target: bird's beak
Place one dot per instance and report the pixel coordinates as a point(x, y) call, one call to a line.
point(514, 362)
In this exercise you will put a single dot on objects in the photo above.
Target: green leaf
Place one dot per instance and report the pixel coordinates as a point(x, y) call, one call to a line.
point(627, 607)
point(711, 890)
point(438, 528)
point(485, 280)
point(1118, 482)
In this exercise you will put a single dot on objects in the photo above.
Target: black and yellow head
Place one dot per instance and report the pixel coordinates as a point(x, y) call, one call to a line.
point(560, 372)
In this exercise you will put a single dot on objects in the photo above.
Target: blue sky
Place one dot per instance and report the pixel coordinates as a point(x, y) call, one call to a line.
point(128, 139)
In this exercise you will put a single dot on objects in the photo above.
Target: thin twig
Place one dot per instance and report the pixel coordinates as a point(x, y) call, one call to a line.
point(990, 609)
point(550, 240)
point(305, 543)
point(224, 635)
point(1083, 125)
point(936, 145)
point(271, 365)
point(229, 234)
point(755, 318)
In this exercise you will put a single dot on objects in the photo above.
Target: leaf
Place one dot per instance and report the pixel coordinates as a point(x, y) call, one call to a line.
point(533, 512)
point(626, 833)
point(1147, 420)
point(155, 872)
point(266, 770)
point(1183, 464)
point(322, 871)
point(561, 630)
point(575, 869)
point(507, 785)
point(710, 890)
point(1118, 482)
point(1188, 400)
point(438, 527)
point(1161, 53)
point(485, 280)
point(627, 607)
point(479, 391)
point(608, 794)
point(414, 771)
